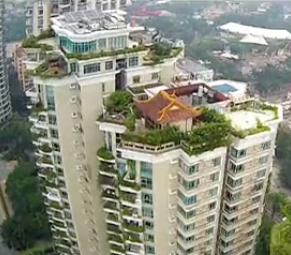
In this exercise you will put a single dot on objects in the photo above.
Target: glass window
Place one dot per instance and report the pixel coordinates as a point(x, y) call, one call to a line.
point(266, 145)
point(188, 185)
point(186, 214)
point(216, 161)
point(150, 249)
point(237, 153)
point(148, 224)
point(108, 65)
point(256, 199)
point(52, 119)
point(136, 79)
point(234, 183)
point(209, 231)
point(147, 198)
point(146, 169)
point(263, 160)
point(187, 200)
point(212, 206)
point(92, 68)
point(236, 168)
point(54, 133)
point(192, 169)
point(214, 177)
point(147, 212)
point(213, 192)
point(155, 76)
point(133, 61)
point(261, 173)
point(146, 183)
point(50, 97)
point(102, 44)
point(210, 218)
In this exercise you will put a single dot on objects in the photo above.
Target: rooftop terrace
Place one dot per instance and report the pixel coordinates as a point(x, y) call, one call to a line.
point(84, 22)
point(179, 117)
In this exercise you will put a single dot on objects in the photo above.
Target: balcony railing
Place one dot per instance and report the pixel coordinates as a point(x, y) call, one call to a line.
point(148, 148)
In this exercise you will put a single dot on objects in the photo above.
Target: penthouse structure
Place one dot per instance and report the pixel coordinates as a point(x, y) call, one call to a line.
point(39, 12)
point(135, 160)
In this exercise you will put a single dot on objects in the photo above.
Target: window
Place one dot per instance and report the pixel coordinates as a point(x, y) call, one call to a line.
point(256, 199)
point(209, 231)
point(210, 218)
point(261, 173)
point(149, 237)
point(236, 169)
point(188, 185)
point(147, 198)
point(102, 44)
point(118, 42)
point(227, 233)
point(150, 249)
point(92, 68)
point(258, 186)
point(212, 206)
point(103, 86)
point(52, 119)
point(192, 169)
point(250, 233)
point(56, 147)
point(57, 159)
point(136, 79)
point(147, 212)
point(133, 61)
point(148, 224)
point(155, 76)
point(50, 97)
point(146, 183)
point(234, 183)
point(216, 161)
point(232, 196)
point(213, 192)
point(146, 169)
point(254, 211)
point(54, 133)
point(263, 160)
point(187, 200)
point(253, 222)
point(186, 214)
point(108, 65)
point(266, 145)
point(214, 177)
point(237, 153)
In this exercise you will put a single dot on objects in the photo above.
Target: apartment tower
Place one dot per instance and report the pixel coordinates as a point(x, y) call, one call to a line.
point(39, 12)
point(133, 158)
point(5, 103)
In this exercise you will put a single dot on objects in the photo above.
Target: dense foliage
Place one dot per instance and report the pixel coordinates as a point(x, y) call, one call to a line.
point(119, 101)
point(29, 223)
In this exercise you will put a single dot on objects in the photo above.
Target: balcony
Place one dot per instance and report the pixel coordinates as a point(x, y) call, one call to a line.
point(133, 238)
point(107, 182)
point(133, 227)
point(128, 183)
point(113, 228)
point(105, 155)
point(107, 169)
point(44, 162)
point(127, 199)
point(109, 194)
point(117, 249)
point(110, 206)
point(112, 218)
point(45, 149)
point(54, 206)
point(115, 239)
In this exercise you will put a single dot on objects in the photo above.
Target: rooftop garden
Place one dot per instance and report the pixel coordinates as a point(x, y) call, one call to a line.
point(119, 109)
point(53, 67)
point(33, 41)
point(92, 55)
point(159, 52)
point(211, 131)
point(105, 154)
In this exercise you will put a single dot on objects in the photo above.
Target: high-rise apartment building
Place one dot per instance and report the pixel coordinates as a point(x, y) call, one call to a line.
point(135, 160)
point(5, 103)
point(39, 12)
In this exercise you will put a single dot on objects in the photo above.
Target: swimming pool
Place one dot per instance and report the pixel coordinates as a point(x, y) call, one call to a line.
point(224, 88)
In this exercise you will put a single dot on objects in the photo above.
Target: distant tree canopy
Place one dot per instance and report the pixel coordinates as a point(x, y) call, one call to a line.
point(29, 224)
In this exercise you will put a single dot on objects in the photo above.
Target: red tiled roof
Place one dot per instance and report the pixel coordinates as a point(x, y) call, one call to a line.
point(166, 108)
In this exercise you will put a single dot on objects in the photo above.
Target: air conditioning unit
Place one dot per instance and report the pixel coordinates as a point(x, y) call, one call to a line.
point(75, 115)
point(73, 99)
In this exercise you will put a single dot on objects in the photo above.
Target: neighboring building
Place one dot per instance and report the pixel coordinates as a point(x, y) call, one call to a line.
point(161, 175)
point(95, 55)
point(39, 12)
point(5, 102)
point(19, 56)
point(195, 69)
